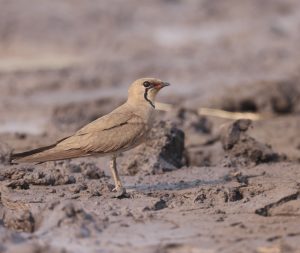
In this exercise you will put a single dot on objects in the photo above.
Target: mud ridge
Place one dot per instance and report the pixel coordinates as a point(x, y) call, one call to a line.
point(265, 211)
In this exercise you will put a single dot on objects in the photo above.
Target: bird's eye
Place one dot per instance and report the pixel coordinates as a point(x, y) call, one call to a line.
point(147, 84)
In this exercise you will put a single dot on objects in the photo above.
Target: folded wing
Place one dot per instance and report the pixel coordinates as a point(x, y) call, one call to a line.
point(109, 134)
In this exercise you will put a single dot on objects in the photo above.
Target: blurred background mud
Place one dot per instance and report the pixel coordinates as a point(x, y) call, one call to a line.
point(197, 187)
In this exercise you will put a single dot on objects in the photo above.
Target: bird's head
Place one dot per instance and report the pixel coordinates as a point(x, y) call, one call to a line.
point(144, 90)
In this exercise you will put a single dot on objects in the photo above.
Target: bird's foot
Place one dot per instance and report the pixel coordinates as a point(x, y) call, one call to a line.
point(119, 192)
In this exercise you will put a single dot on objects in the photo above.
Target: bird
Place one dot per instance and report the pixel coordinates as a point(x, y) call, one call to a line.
point(124, 128)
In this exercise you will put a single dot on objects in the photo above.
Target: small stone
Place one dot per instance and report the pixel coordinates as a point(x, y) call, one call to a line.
point(159, 205)
point(91, 171)
point(77, 188)
point(84, 232)
point(69, 179)
point(74, 168)
point(52, 191)
point(21, 136)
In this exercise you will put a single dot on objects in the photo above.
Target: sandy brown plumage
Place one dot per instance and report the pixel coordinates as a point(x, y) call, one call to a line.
point(122, 129)
point(112, 133)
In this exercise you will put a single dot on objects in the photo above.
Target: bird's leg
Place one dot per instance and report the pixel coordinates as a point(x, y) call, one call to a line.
point(118, 184)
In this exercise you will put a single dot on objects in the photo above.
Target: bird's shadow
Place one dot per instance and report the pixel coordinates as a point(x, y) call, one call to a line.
point(181, 185)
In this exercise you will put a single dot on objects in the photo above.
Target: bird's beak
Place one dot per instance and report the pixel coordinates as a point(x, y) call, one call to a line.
point(161, 85)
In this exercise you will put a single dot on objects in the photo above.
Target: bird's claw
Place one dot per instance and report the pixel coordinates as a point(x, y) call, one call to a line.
point(119, 192)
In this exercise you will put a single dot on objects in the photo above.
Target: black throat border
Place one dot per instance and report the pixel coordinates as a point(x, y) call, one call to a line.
point(147, 99)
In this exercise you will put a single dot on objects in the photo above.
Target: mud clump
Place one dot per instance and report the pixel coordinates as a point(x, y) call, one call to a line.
point(231, 133)
point(54, 178)
point(91, 171)
point(234, 194)
point(59, 215)
point(14, 173)
point(158, 205)
point(23, 178)
point(200, 148)
point(19, 220)
point(164, 151)
point(88, 169)
point(278, 97)
point(241, 148)
point(77, 188)
point(189, 119)
point(9, 240)
point(210, 197)
point(285, 97)
point(5, 154)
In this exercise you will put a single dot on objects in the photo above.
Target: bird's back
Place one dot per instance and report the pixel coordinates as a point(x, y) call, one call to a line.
point(120, 130)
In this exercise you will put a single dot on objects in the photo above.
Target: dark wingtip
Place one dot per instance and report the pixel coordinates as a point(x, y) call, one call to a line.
point(17, 157)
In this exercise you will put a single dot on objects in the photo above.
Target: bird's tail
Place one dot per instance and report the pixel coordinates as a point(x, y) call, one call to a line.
point(45, 154)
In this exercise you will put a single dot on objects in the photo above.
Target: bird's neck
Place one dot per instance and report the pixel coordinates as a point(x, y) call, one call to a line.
point(142, 109)
point(142, 102)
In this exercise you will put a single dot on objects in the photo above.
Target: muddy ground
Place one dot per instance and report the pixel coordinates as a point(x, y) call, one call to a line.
point(201, 183)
